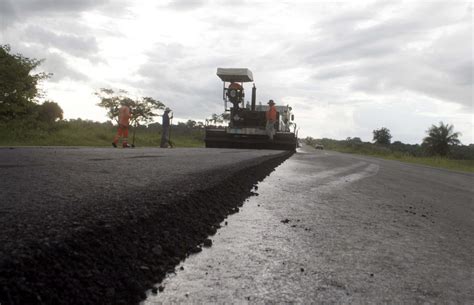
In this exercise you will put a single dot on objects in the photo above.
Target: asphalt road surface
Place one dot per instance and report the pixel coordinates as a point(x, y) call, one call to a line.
point(338, 228)
point(64, 185)
point(101, 225)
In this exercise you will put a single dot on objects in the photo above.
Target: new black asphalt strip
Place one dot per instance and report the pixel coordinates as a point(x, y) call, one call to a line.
point(101, 226)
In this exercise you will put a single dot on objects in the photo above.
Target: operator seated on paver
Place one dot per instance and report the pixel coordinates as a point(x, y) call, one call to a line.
point(271, 116)
point(124, 122)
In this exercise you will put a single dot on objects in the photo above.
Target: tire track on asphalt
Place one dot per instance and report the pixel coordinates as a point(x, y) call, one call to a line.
point(369, 171)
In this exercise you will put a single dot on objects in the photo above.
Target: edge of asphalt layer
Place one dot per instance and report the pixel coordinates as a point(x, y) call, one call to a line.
point(116, 263)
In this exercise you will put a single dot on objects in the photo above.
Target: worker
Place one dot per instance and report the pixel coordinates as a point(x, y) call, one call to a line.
point(124, 121)
point(271, 116)
point(165, 134)
point(235, 86)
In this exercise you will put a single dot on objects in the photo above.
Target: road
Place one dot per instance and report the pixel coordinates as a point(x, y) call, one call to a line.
point(101, 225)
point(337, 228)
point(69, 182)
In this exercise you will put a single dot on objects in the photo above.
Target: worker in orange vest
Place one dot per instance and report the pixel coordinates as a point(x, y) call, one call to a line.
point(271, 116)
point(235, 86)
point(124, 121)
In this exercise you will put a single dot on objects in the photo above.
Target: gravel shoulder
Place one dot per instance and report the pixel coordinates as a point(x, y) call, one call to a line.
point(101, 226)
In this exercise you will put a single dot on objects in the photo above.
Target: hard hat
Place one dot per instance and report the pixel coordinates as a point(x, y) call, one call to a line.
point(271, 102)
point(167, 109)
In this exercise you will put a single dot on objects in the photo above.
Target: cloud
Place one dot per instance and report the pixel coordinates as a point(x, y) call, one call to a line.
point(77, 45)
point(185, 5)
point(20, 10)
point(182, 80)
point(55, 5)
point(62, 70)
point(402, 52)
point(440, 72)
point(348, 51)
point(53, 62)
point(7, 13)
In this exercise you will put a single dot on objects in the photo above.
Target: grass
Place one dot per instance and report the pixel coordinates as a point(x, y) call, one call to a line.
point(86, 133)
point(452, 164)
point(384, 153)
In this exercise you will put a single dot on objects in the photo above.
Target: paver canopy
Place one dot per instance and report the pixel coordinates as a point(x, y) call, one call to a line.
point(239, 75)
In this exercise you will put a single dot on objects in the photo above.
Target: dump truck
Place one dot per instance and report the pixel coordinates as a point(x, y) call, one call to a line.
point(246, 128)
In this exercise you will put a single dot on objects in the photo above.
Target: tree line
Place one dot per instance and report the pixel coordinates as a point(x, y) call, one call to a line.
point(440, 140)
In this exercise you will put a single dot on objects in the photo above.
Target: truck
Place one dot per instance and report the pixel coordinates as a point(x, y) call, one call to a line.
point(247, 122)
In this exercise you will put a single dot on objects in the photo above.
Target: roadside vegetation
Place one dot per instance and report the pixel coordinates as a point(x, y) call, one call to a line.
point(25, 120)
point(440, 148)
point(88, 133)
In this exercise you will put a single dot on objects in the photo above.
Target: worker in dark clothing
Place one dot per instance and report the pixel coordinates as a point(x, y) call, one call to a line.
point(165, 134)
point(271, 116)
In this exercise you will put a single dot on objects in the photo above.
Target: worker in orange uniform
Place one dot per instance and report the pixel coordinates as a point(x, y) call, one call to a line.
point(236, 86)
point(271, 116)
point(124, 121)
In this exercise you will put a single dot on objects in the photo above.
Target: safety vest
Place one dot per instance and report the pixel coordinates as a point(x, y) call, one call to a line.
point(271, 114)
point(124, 115)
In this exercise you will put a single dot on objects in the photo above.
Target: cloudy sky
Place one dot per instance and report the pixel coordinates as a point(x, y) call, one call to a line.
point(346, 67)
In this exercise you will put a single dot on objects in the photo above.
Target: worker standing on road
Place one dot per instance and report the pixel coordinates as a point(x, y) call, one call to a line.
point(124, 122)
point(271, 116)
point(165, 134)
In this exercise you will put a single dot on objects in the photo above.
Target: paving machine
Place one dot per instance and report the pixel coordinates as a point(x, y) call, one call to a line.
point(247, 122)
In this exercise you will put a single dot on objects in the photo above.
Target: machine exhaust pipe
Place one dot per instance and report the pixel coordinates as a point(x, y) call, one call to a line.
point(254, 96)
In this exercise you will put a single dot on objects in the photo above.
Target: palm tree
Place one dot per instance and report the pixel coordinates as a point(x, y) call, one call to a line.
point(440, 138)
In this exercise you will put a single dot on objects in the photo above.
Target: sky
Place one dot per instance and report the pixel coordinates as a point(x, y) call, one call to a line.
point(346, 67)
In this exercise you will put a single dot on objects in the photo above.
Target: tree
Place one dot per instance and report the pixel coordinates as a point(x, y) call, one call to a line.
point(49, 112)
point(382, 136)
point(225, 116)
point(142, 109)
point(310, 141)
point(218, 118)
point(440, 139)
point(18, 84)
point(191, 124)
point(356, 140)
point(215, 118)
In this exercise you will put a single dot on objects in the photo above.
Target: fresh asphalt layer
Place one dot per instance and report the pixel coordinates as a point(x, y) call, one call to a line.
point(62, 184)
point(100, 226)
point(336, 228)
